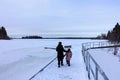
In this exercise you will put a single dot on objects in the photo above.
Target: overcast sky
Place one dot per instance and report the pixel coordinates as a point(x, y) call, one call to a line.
point(83, 17)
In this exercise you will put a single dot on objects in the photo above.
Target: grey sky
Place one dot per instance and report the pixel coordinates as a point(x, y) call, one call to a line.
point(82, 17)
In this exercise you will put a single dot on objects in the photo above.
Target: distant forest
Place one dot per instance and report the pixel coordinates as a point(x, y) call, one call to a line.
point(32, 37)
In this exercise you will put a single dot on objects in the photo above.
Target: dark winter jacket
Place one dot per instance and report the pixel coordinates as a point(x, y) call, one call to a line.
point(60, 50)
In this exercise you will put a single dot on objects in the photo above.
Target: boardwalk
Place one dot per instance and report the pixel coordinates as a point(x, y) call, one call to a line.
point(76, 71)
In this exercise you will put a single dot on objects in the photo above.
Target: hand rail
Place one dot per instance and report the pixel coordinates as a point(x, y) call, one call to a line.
point(42, 69)
point(90, 45)
point(88, 58)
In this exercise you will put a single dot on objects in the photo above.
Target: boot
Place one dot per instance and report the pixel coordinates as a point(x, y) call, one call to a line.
point(59, 66)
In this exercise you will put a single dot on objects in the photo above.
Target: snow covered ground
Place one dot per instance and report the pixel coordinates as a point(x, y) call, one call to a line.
point(21, 59)
point(108, 62)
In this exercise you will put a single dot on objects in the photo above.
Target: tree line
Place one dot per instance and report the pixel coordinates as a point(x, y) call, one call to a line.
point(32, 37)
point(112, 35)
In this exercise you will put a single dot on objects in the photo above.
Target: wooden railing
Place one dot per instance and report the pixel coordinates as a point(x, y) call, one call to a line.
point(95, 71)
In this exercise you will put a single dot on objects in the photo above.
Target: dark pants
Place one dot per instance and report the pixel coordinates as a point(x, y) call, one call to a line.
point(60, 60)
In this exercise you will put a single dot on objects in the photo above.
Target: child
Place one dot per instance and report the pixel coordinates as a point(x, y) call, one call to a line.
point(68, 56)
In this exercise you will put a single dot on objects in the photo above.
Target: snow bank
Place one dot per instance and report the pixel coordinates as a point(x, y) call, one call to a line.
point(108, 62)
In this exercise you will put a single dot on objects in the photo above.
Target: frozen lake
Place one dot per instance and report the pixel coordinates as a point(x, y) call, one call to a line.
point(21, 59)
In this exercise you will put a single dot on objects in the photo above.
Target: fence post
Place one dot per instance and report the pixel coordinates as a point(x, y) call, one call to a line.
point(96, 73)
point(88, 65)
point(86, 57)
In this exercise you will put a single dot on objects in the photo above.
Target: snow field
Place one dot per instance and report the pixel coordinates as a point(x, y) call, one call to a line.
point(21, 59)
point(108, 62)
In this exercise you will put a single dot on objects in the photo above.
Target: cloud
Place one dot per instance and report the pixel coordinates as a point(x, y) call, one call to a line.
point(59, 15)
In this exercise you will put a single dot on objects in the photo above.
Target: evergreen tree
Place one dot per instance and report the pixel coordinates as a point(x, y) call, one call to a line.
point(108, 35)
point(114, 35)
point(3, 33)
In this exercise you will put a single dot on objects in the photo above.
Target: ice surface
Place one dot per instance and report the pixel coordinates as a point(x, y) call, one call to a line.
point(21, 59)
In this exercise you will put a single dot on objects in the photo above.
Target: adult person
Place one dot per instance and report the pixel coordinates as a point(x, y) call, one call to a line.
point(60, 53)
